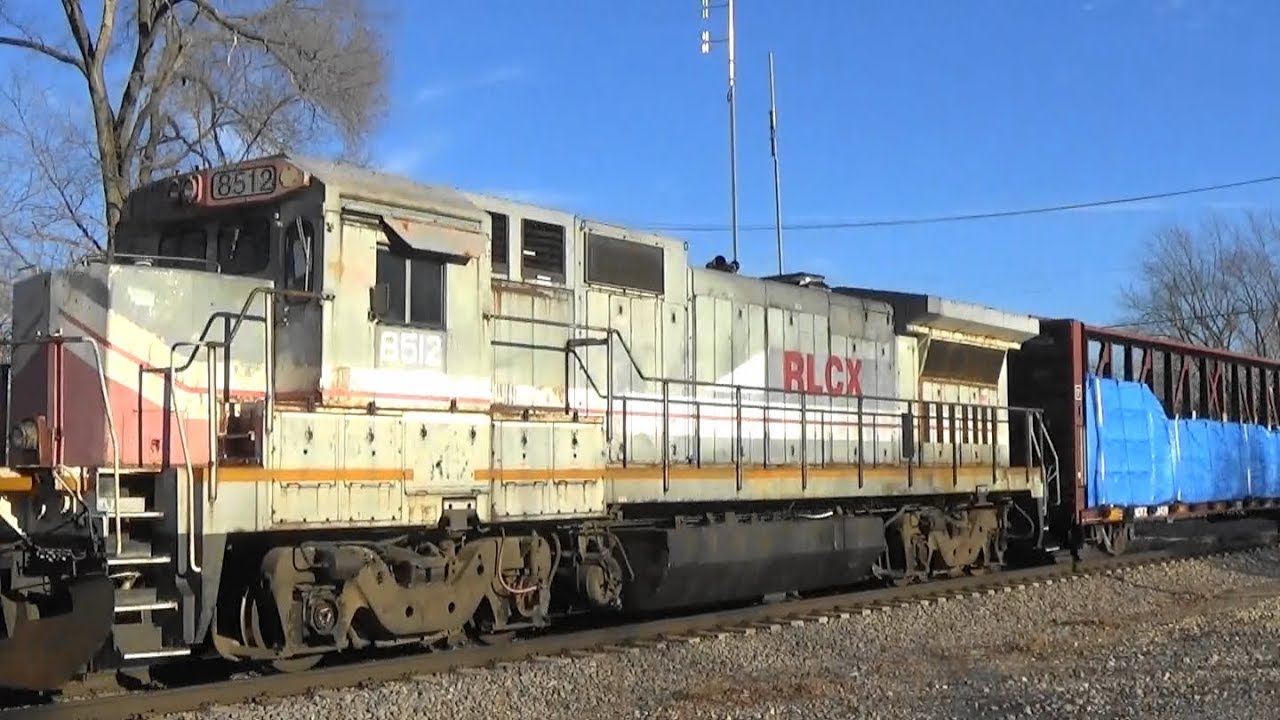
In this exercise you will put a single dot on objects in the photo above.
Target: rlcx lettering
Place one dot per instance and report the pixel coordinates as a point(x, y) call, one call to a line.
point(833, 375)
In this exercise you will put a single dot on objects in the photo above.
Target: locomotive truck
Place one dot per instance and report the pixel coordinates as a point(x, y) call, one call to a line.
point(302, 408)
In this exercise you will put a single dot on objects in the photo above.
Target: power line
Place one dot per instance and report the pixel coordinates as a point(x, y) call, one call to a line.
point(931, 220)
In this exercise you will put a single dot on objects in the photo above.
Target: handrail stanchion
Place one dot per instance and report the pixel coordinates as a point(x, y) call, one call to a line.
point(193, 559)
point(212, 370)
point(861, 479)
point(269, 371)
point(804, 444)
point(1030, 452)
point(111, 431)
point(666, 436)
point(737, 436)
point(626, 439)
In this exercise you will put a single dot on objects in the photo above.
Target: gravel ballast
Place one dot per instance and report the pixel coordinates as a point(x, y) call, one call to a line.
point(1190, 639)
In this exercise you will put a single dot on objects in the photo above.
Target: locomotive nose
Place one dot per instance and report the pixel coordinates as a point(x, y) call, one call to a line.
point(53, 638)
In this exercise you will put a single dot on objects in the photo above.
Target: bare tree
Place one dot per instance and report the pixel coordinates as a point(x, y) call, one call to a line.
point(171, 84)
point(1216, 285)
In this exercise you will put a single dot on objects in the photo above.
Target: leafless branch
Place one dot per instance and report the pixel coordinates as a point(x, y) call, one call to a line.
point(199, 82)
point(1217, 284)
point(43, 49)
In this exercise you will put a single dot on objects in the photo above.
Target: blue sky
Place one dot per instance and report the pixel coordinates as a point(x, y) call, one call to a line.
point(886, 109)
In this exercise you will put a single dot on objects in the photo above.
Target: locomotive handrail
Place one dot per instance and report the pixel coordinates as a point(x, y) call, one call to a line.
point(1034, 449)
point(193, 560)
point(243, 315)
point(588, 342)
point(57, 338)
point(1045, 439)
point(231, 328)
point(208, 265)
point(226, 316)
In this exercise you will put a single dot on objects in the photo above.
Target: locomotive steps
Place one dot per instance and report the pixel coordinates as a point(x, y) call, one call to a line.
point(568, 647)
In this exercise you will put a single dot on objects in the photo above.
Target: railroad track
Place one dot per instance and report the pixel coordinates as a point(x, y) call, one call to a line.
point(618, 638)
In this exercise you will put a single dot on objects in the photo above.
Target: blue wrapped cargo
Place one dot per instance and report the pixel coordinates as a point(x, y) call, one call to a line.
point(1137, 456)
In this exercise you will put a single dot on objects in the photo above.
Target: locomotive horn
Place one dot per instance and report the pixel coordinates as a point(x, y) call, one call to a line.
point(41, 655)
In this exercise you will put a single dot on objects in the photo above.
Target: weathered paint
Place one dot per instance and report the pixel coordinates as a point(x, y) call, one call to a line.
point(719, 387)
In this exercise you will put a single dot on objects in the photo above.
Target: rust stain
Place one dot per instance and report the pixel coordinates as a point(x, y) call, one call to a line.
point(510, 287)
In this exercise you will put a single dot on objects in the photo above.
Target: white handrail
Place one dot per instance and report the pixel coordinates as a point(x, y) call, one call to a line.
point(115, 443)
point(269, 371)
point(193, 560)
point(59, 339)
point(211, 357)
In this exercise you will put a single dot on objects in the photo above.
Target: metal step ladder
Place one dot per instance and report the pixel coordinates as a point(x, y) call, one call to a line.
point(141, 561)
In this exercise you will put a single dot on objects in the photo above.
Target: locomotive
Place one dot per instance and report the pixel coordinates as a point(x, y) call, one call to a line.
point(302, 407)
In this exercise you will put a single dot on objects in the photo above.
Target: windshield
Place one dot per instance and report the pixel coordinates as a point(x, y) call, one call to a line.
point(232, 246)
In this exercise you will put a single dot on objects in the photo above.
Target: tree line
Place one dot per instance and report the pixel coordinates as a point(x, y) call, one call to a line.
point(1215, 283)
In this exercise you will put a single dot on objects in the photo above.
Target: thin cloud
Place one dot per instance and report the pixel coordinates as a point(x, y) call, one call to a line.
point(544, 198)
point(1236, 205)
point(407, 157)
point(499, 75)
point(401, 161)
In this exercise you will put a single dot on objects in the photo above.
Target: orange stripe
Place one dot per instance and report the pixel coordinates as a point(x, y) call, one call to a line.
point(12, 481)
point(720, 472)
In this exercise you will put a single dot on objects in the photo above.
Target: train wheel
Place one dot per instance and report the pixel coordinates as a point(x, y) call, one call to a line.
point(252, 630)
point(496, 638)
point(293, 665)
point(1113, 538)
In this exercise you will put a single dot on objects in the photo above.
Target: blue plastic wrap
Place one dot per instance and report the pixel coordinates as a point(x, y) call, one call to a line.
point(1137, 456)
point(1193, 461)
point(1270, 486)
point(1130, 460)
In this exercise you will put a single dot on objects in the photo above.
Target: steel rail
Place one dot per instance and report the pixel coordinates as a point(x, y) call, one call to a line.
point(605, 639)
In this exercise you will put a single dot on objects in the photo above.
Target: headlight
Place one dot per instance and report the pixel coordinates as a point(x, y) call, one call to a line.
point(24, 436)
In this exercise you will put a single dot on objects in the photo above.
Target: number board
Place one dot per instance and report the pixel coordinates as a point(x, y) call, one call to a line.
point(410, 349)
point(243, 182)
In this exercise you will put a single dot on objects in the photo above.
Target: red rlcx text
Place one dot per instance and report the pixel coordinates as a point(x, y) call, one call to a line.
point(837, 376)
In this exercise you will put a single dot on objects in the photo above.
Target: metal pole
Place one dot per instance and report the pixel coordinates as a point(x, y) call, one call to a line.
point(773, 149)
point(733, 139)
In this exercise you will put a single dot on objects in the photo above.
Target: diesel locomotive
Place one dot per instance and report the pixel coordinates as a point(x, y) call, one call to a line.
point(301, 408)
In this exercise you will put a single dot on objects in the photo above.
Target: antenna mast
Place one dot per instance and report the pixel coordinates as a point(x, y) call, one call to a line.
point(733, 115)
point(773, 150)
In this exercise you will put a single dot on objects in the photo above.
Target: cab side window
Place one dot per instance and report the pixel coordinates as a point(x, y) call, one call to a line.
point(299, 250)
point(413, 286)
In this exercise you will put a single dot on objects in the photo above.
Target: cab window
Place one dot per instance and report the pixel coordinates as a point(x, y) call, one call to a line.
point(299, 251)
point(183, 243)
point(244, 248)
point(414, 288)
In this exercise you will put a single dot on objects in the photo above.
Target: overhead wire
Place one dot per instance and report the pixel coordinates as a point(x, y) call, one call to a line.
point(963, 217)
point(1220, 315)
